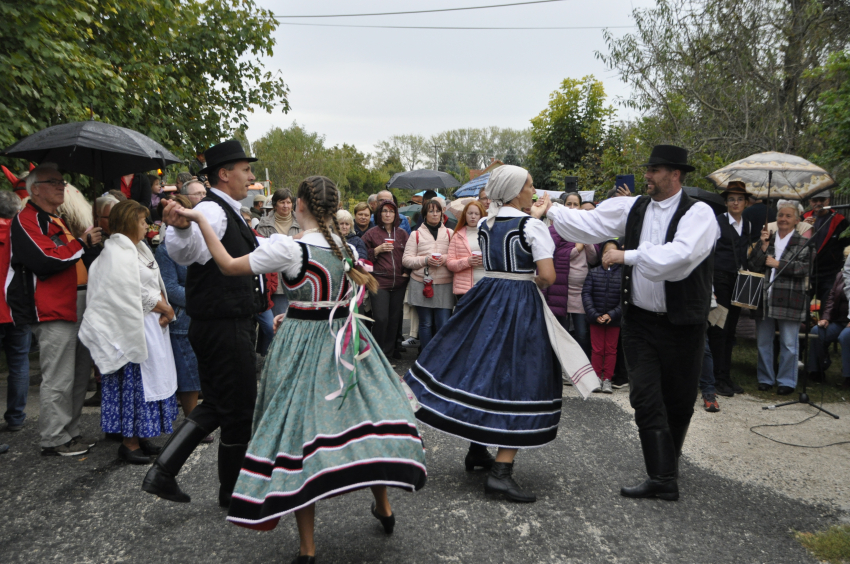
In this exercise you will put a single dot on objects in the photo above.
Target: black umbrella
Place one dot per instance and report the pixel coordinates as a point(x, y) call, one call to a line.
point(93, 148)
point(716, 201)
point(422, 179)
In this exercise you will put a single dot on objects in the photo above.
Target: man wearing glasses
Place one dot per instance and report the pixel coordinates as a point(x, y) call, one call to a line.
point(195, 191)
point(827, 241)
point(730, 256)
point(46, 260)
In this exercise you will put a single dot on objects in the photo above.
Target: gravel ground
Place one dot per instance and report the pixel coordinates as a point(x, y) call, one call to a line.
point(723, 443)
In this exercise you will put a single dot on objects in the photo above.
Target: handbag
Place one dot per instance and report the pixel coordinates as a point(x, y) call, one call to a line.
point(428, 289)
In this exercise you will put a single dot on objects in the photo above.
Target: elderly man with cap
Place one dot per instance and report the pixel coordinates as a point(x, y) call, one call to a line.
point(828, 242)
point(669, 240)
point(257, 208)
point(222, 331)
point(730, 256)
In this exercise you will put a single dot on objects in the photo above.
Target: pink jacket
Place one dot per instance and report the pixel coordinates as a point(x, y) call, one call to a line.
point(419, 247)
point(459, 253)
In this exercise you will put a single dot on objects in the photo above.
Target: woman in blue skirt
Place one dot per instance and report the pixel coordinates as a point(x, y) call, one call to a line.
point(310, 440)
point(491, 376)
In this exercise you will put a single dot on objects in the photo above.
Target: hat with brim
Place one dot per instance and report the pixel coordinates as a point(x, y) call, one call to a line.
point(735, 187)
point(224, 153)
point(670, 155)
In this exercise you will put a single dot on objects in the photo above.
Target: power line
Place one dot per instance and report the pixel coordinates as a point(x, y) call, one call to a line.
point(422, 11)
point(471, 28)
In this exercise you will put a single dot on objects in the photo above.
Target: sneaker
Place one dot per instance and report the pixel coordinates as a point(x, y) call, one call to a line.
point(710, 401)
point(71, 448)
point(14, 428)
point(606, 387)
point(410, 342)
point(619, 384)
point(84, 441)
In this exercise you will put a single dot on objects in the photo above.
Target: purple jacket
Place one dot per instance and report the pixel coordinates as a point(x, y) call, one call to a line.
point(601, 294)
point(556, 294)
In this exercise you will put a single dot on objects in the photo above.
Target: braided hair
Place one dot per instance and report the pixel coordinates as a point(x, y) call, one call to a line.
point(321, 198)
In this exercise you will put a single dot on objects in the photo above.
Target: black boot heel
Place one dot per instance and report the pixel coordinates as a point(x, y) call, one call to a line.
point(387, 522)
point(500, 481)
point(478, 456)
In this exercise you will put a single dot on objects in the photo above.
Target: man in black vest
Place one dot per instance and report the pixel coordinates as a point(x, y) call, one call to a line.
point(730, 256)
point(666, 292)
point(222, 331)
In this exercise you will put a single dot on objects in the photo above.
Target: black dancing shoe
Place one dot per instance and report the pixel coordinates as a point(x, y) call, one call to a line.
point(659, 455)
point(387, 522)
point(478, 456)
point(500, 481)
point(784, 390)
point(133, 456)
point(149, 448)
point(304, 559)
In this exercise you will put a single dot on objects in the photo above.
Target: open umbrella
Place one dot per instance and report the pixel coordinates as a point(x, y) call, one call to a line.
point(716, 201)
point(410, 211)
point(422, 179)
point(472, 187)
point(100, 150)
point(775, 175)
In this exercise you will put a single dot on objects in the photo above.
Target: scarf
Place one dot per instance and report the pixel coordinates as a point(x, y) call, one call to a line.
point(283, 224)
point(505, 184)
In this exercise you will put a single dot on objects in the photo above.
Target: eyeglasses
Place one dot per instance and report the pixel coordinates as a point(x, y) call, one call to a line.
point(201, 194)
point(736, 200)
point(52, 182)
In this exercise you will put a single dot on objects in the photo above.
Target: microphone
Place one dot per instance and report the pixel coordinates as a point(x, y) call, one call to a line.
point(838, 207)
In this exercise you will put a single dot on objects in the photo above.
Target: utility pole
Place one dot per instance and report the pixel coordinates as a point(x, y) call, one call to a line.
point(436, 162)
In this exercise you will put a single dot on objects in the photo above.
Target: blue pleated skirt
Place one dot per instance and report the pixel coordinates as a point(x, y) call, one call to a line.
point(490, 374)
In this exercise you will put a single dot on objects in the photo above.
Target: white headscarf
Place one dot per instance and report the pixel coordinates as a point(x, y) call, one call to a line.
point(504, 185)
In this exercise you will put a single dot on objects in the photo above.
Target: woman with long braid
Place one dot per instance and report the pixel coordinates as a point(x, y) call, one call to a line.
point(314, 435)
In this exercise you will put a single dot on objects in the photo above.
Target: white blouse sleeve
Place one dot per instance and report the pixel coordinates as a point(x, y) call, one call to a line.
point(538, 237)
point(607, 221)
point(278, 253)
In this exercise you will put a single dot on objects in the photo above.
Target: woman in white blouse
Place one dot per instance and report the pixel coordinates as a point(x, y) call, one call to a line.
point(125, 327)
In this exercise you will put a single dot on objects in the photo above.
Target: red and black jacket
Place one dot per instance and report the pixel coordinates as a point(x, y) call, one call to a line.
point(44, 261)
point(830, 257)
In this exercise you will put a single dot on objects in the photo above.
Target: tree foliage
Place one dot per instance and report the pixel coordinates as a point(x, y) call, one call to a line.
point(573, 125)
point(728, 77)
point(834, 127)
point(184, 72)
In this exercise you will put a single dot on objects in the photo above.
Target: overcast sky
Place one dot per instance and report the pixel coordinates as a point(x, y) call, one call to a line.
point(359, 86)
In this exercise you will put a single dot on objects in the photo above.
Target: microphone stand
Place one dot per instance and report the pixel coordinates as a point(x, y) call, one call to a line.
point(804, 397)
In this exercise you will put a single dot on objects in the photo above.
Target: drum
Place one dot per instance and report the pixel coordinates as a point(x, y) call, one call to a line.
point(748, 289)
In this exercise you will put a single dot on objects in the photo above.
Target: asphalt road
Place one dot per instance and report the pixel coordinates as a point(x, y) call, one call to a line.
point(91, 509)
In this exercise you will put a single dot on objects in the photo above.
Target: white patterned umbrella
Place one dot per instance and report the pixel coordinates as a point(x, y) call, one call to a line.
point(790, 177)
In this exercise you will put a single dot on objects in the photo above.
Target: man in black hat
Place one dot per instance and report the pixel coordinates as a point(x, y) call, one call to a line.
point(222, 332)
point(668, 238)
point(730, 256)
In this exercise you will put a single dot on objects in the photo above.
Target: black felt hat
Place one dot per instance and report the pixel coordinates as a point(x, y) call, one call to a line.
point(670, 155)
point(228, 152)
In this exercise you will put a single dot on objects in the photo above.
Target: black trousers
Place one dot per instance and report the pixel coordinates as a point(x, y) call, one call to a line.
point(664, 363)
point(227, 366)
point(721, 341)
point(387, 311)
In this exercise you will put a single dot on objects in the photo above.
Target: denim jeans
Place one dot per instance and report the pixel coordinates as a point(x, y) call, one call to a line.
point(819, 351)
point(788, 350)
point(580, 331)
point(706, 378)
point(16, 345)
point(431, 320)
point(266, 332)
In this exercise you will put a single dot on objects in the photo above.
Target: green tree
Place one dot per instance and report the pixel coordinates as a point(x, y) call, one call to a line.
point(293, 154)
point(410, 150)
point(184, 72)
point(834, 127)
point(574, 124)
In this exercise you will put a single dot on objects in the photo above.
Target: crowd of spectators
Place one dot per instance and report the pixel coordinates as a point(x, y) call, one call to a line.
point(134, 336)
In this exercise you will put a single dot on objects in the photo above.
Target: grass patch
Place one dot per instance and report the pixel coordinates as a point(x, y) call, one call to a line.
point(743, 371)
point(831, 545)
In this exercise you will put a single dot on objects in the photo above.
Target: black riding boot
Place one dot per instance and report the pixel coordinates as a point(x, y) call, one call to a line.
point(500, 481)
point(478, 455)
point(160, 479)
point(659, 454)
point(230, 459)
point(678, 434)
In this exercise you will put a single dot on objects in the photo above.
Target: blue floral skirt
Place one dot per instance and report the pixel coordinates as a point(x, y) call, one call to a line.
point(123, 408)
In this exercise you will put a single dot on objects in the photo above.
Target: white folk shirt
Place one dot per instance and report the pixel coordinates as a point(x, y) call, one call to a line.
point(738, 226)
point(779, 245)
point(186, 246)
point(654, 261)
